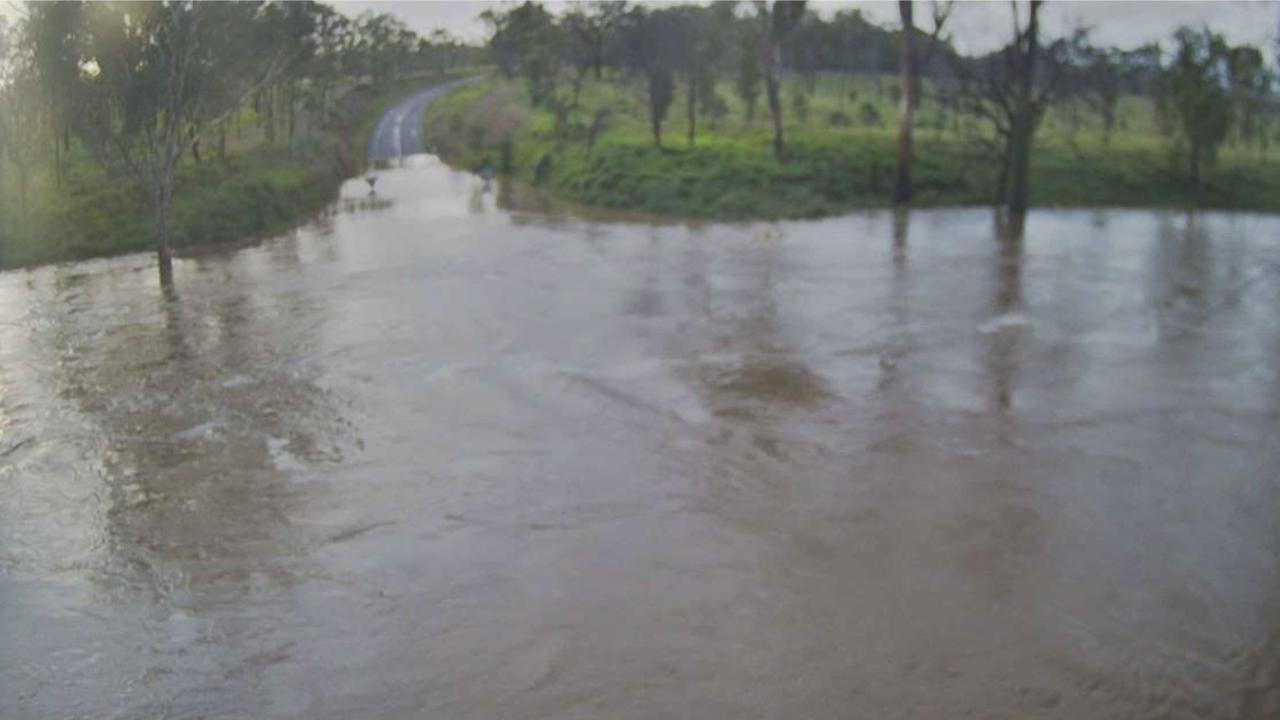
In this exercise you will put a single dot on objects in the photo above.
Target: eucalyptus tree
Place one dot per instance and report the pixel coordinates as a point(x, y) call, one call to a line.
point(163, 72)
point(1193, 91)
point(439, 50)
point(1011, 89)
point(8, 71)
point(777, 20)
point(747, 79)
point(526, 41)
point(333, 38)
point(701, 47)
point(1023, 55)
point(1101, 85)
point(649, 42)
point(1250, 83)
point(579, 46)
point(286, 30)
point(593, 28)
point(22, 110)
point(911, 60)
point(54, 31)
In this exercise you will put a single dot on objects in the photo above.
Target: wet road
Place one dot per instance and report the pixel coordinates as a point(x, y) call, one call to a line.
point(428, 458)
point(399, 131)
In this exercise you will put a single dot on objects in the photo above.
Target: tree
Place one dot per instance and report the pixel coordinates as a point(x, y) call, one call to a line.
point(164, 71)
point(1101, 79)
point(333, 37)
point(580, 46)
point(909, 68)
point(54, 32)
point(515, 36)
point(592, 29)
point(440, 49)
point(747, 82)
point(700, 51)
point(526, 42)
point(1250, 90)
point(1011, 89)
point(1026, 112)
point(777, 20)
point(649, 44)
point(1193, 90)
point(21, 110)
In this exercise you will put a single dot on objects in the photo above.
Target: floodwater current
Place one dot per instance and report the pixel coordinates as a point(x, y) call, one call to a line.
point(441, 455)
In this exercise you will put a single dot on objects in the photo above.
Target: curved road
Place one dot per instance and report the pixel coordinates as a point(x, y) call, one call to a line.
point(399, 130)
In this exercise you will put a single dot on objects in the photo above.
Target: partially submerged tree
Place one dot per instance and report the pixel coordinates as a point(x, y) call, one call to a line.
point(910, 62)
point(163, 72)
point(1027, 107)
point(1011, 89)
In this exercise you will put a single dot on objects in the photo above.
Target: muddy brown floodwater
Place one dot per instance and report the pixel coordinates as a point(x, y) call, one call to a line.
point(431, 458)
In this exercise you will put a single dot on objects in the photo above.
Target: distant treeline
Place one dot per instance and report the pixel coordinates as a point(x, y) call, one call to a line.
point(1202, 88)
point(127, 92)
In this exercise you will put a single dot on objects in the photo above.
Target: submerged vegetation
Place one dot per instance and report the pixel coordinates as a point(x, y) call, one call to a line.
point(667, 111)
point(130, 126)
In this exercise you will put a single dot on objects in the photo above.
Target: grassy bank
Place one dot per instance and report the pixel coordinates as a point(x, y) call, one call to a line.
point(842, 143)
point(261, 186)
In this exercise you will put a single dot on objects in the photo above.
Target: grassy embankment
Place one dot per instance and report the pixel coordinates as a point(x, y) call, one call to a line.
point(841, 155)
point(262, 187)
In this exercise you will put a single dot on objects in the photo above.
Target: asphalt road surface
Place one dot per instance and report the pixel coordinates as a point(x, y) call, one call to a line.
point(399, 131)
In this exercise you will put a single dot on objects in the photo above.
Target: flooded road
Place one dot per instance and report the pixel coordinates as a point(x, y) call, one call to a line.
point(429, 458)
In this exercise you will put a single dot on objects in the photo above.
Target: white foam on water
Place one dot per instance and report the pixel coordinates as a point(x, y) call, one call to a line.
point(1004, 322)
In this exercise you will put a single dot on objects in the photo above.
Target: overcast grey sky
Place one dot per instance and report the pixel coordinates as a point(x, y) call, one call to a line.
point(976, 24)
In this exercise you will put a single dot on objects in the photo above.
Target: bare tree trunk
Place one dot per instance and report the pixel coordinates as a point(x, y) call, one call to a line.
point(910, 98)
point(1194, 152)
point(770, 68)
point(1023, 125)
point(271, 116)
point(169, 145)
point(692, 111)
point(770, 61)
point(164, 257)
point(22, 190)
point(655, 121)
point(57, 158)
point(290, 98)
point(1002, 179)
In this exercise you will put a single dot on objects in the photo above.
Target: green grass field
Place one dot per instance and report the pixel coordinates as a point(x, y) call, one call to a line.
point(842, 140)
